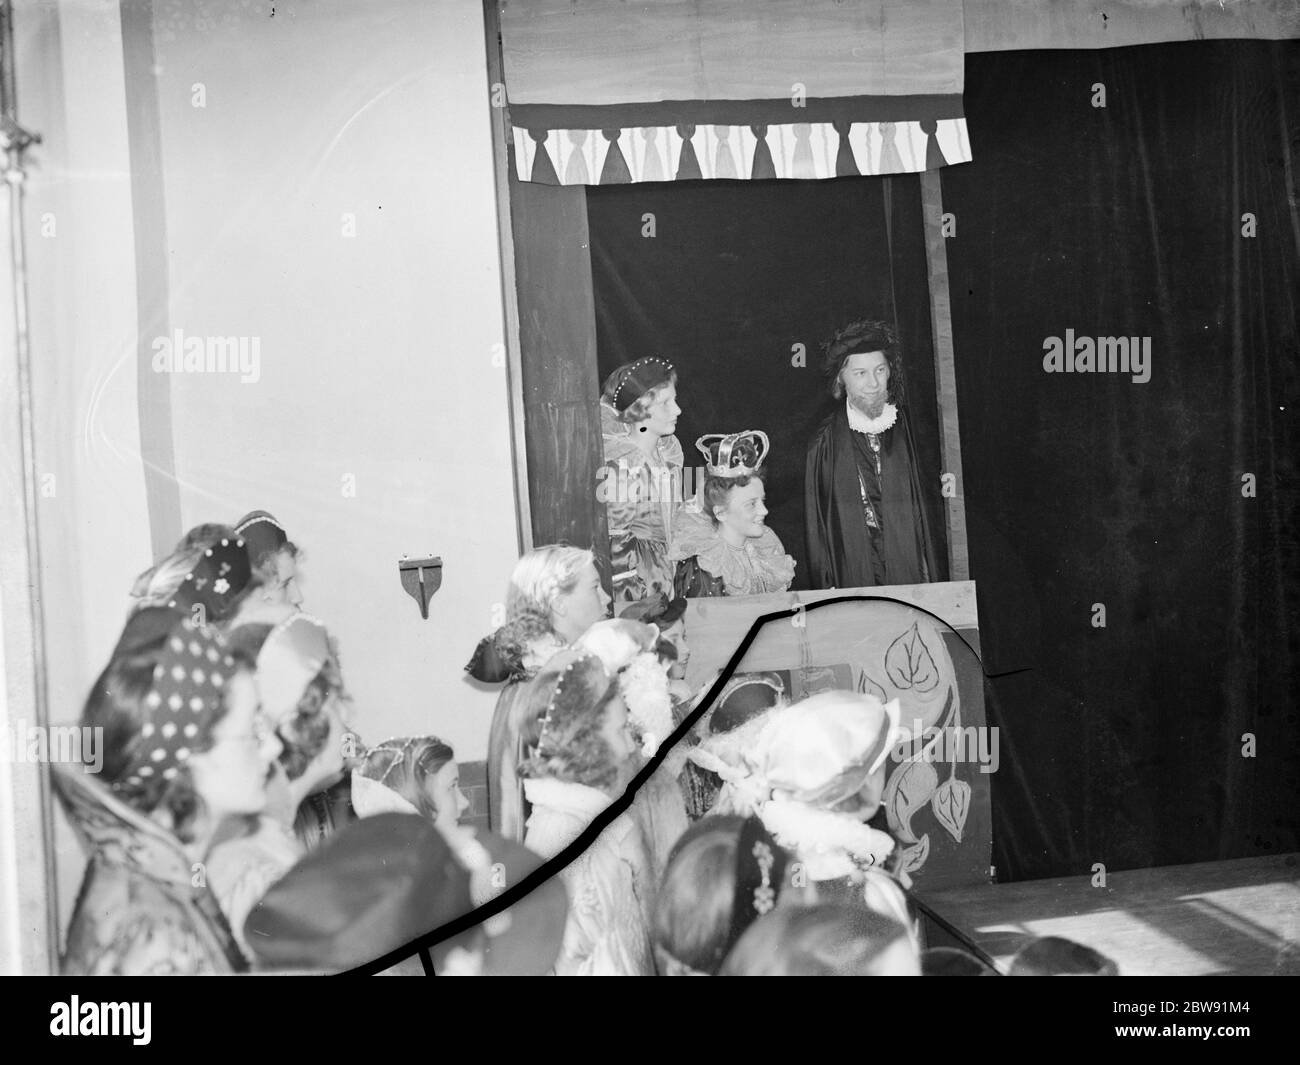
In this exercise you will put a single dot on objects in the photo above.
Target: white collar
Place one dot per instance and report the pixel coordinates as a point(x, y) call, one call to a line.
point(566, 797)
point(860, 423)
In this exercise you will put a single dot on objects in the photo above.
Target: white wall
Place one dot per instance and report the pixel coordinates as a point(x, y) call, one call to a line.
point(93, 519)
point(92, 515)
point(376, 350)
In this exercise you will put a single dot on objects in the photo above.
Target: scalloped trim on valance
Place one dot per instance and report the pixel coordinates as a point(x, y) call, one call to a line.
point(794, 151)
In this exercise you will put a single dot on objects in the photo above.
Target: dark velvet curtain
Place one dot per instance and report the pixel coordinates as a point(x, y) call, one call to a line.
point(739, 273)
point(1124, 745)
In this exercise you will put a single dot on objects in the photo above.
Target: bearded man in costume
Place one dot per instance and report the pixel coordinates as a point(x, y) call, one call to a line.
point(864, 509)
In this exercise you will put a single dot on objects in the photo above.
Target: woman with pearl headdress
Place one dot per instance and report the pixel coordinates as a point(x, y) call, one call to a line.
point(640, 483)
point(583, 755)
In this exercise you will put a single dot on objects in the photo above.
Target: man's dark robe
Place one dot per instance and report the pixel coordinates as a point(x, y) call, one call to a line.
point(843, 552)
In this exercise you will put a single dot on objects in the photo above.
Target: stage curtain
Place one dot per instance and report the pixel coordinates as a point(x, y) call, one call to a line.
point(1134, 544)
point(604, 92)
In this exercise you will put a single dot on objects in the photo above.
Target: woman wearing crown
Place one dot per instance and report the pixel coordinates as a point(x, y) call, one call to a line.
point(640, 482)
point(725, 548)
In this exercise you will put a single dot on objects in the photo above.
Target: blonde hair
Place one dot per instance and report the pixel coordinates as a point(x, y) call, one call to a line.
point(157, 585)
point(541, 577)
point(406, 766)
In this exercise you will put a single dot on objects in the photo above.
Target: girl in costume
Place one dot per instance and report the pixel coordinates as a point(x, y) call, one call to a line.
point(302, 695)
point(185, 748)
point(641, 479)
point(583, 756)
point(814, 773)
point(743, 698)
point(413, 775)
point(724, 873)
point(669, 617)
point(274, 558)
point(302, 692)
point(555, 595)
point(724, 547)
point(208, 576)
point(639, 659)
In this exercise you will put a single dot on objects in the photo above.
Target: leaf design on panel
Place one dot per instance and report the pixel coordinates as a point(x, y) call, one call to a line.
point(910, 664)
point(914, 857)
point(908, 790)
point(867, 686)
point(951, 804)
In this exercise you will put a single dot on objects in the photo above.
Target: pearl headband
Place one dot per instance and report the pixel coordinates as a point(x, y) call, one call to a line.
point(292, 656)
point(559, 687)
point(658, 373)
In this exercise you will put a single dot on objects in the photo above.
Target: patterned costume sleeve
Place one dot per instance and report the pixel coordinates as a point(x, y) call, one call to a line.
point(151, 945)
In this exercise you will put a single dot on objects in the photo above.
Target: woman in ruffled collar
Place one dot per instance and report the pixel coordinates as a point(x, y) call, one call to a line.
point(555, 596)
point(725, 547)
point(640, 483)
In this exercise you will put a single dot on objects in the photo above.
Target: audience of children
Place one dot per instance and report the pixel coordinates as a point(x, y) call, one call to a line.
point(237, 823)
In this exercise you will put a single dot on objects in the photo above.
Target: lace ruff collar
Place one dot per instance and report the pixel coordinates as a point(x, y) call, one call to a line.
point(860, 423)
point(761, 565)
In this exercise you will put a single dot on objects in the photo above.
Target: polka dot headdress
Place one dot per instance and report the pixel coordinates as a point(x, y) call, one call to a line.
point(183, 703)
point(220, 575)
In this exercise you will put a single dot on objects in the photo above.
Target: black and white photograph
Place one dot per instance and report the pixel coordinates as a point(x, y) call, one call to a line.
point(651, 488)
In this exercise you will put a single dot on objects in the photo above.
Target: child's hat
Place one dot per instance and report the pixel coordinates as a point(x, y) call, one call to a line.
point(382, 883)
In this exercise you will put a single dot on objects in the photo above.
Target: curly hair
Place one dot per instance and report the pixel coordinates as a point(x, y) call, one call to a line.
point(406, 766)
point(866, 334)
point(303, 733)
point(542, 576)
point(563, 730)
point(717, 490)
point(117, 705)
point(266, 562)
point(640, 408)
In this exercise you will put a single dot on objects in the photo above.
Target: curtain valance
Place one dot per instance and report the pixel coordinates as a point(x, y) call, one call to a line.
point(608, 92)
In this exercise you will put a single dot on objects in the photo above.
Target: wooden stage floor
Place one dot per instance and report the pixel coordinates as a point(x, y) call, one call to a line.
point(1228, 918)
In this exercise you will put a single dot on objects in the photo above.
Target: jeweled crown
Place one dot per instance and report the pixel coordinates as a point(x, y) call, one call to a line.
point(734, 454)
